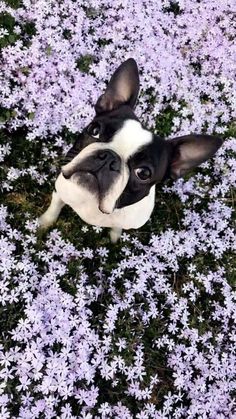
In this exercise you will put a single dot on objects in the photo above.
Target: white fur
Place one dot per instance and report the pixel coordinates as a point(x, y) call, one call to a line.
point(115, 234)
point(129, 139)
point(51, 215)
point(86, 206)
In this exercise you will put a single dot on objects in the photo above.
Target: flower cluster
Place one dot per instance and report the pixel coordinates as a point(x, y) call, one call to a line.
point(101, 342)
point(64, 52)
point(145, 329)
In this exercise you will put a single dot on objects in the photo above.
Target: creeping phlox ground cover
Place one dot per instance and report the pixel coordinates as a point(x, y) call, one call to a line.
point(146, 328)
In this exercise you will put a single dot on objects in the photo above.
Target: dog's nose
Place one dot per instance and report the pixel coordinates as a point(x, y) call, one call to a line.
point(110, 160)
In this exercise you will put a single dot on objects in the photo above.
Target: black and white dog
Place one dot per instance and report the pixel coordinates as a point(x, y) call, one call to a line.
point(111, 171)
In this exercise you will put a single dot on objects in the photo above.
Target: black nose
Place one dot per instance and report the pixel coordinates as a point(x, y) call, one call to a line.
point(109, 159)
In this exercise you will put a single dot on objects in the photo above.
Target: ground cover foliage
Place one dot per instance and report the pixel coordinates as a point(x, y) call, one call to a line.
point(144, 328)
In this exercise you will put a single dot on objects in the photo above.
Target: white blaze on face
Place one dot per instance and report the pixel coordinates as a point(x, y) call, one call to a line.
point(126, 142)
point(129, 139)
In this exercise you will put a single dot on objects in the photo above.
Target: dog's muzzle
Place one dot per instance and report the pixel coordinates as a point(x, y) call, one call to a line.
point(102, 163)
point(98, 173)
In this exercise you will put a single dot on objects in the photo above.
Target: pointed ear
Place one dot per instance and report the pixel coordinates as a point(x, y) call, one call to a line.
point(190, 151)
point(122, 89)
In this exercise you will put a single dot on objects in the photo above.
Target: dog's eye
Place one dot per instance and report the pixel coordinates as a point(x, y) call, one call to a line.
point(143, 173)
point(94, 130)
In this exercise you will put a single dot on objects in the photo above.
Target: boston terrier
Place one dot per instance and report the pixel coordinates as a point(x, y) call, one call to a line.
point(110, 173)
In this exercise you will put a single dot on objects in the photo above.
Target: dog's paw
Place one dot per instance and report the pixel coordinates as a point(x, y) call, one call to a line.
point(115, 234)
point(45, 221)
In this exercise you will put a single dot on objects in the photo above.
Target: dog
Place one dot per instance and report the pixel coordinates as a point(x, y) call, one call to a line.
point(110, 173)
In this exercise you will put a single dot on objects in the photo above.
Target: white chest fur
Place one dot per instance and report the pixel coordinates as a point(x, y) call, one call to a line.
point(86, 206)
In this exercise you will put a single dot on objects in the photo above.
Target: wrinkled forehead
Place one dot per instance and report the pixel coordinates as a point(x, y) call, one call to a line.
point(130, 138)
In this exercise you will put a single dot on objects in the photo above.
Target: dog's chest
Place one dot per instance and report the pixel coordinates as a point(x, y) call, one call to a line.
point(86, 206)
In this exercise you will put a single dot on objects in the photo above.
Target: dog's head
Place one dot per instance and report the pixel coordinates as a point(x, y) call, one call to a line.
point(117, 160)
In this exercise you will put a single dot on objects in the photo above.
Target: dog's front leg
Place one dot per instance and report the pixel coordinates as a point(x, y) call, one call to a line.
point(51, 215)
point(115, 234)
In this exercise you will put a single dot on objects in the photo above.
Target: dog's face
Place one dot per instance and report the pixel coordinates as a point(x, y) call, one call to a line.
point(117, 160)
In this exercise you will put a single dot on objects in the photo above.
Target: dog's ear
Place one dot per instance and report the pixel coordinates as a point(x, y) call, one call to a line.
point(122, 89)
point(190, 151)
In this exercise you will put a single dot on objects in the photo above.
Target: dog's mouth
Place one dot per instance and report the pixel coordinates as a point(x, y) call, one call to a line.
point(84, 178)
point(89, 181)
